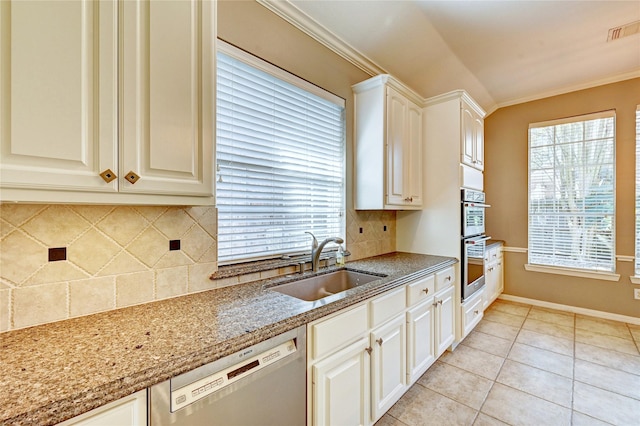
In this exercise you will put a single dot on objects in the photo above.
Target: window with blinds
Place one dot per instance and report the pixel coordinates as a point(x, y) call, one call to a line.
point(572, 192)
point(280, 160)
point(637, 273)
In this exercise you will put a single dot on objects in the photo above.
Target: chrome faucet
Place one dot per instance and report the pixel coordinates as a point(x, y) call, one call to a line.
point(316, 249)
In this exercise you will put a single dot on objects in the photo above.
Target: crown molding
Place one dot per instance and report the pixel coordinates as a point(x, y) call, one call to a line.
point(570, 89)
point(455, 94)
point(303, 22)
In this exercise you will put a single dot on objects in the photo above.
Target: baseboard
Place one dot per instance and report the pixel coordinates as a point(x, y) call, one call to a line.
point(574, 309)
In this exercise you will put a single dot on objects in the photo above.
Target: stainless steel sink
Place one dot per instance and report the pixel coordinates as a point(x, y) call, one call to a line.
point(319, 286)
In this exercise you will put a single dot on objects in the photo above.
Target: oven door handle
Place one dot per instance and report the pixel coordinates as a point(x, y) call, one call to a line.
point(477, 240)
point(481, 205)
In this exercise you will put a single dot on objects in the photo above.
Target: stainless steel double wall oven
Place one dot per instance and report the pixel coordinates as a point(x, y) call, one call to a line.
point(473, 241)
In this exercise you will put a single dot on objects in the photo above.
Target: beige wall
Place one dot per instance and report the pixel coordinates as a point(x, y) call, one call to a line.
point(506, 136)
point(118, 256)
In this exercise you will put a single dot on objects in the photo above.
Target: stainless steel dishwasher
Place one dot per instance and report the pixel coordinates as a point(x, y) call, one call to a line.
point(262, 385)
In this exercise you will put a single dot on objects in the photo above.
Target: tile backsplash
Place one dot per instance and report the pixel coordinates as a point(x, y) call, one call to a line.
point(118, 256)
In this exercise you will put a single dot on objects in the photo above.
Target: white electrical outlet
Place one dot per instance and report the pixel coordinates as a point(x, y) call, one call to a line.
point(636, 293)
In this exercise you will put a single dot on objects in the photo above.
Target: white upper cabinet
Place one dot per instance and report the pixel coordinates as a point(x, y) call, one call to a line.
point(167, 97)
point(472, 141)
point(388, 146)
point(58, 94)
point(107, 102)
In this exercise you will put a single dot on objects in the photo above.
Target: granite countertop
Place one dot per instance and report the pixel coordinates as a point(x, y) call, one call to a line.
point(56, 371)
point(493, 242)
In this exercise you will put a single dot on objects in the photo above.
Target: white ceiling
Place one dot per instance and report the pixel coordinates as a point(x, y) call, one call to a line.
point(501, 52)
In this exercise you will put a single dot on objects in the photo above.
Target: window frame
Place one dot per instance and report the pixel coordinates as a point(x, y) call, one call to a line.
point(609, 275)
point(287, 77)
point(635, 279)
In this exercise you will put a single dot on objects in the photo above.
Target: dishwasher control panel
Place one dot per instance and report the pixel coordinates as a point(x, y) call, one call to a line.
point(206, 386)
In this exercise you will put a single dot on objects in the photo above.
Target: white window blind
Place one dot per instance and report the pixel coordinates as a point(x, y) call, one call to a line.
point(280, 161)
point(637, 273)
point(572, 192)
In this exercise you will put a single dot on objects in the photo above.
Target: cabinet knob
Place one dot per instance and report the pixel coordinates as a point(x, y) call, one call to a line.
point(448, 278)
point(108, 175)
point(435, 304)
point(379, 341)
point(439, 302)
point(476, 312)
point(409, 199)
point(132, 177)
point(369, 349)
point(426, 290)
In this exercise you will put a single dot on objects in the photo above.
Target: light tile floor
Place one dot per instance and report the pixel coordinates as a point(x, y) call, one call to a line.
point(525, 365)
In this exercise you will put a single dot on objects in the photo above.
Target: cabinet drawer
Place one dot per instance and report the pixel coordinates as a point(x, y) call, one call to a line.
point(473, 311)
point(491, 254)
point(420, 290)
point(335, 332)
point(445, 278)
point(387, 306)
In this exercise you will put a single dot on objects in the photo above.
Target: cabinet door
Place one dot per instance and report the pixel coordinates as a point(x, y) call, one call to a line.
point(499, 277)
point(478, 145)
point(490, 282)
point(467, 142)
point(58, 94)
point(414, 158)
point(168, 73)
point(396, 123)
point(445, 319)
point(128, 411)
point(420, 345)
point(472, 311)
point(341, 387)
point(388, 362)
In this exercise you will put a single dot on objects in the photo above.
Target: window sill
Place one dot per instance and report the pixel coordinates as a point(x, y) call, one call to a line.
point(635, 280)
point(606, 276)
point(291, 265)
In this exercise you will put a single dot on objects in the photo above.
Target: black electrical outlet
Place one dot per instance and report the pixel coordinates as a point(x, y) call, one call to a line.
point(361, 230)
point(174, 244)
point(57, 253)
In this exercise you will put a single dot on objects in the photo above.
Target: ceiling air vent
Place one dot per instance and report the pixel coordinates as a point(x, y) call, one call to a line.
point(624, 31)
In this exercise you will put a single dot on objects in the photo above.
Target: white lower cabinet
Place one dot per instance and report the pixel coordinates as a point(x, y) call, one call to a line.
point(493, 274)
point(340, 387)
point(128, 411)
point(472, 311)
point(357, 371)
point(420, 343)
point(388, 371)
point(444, 319)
